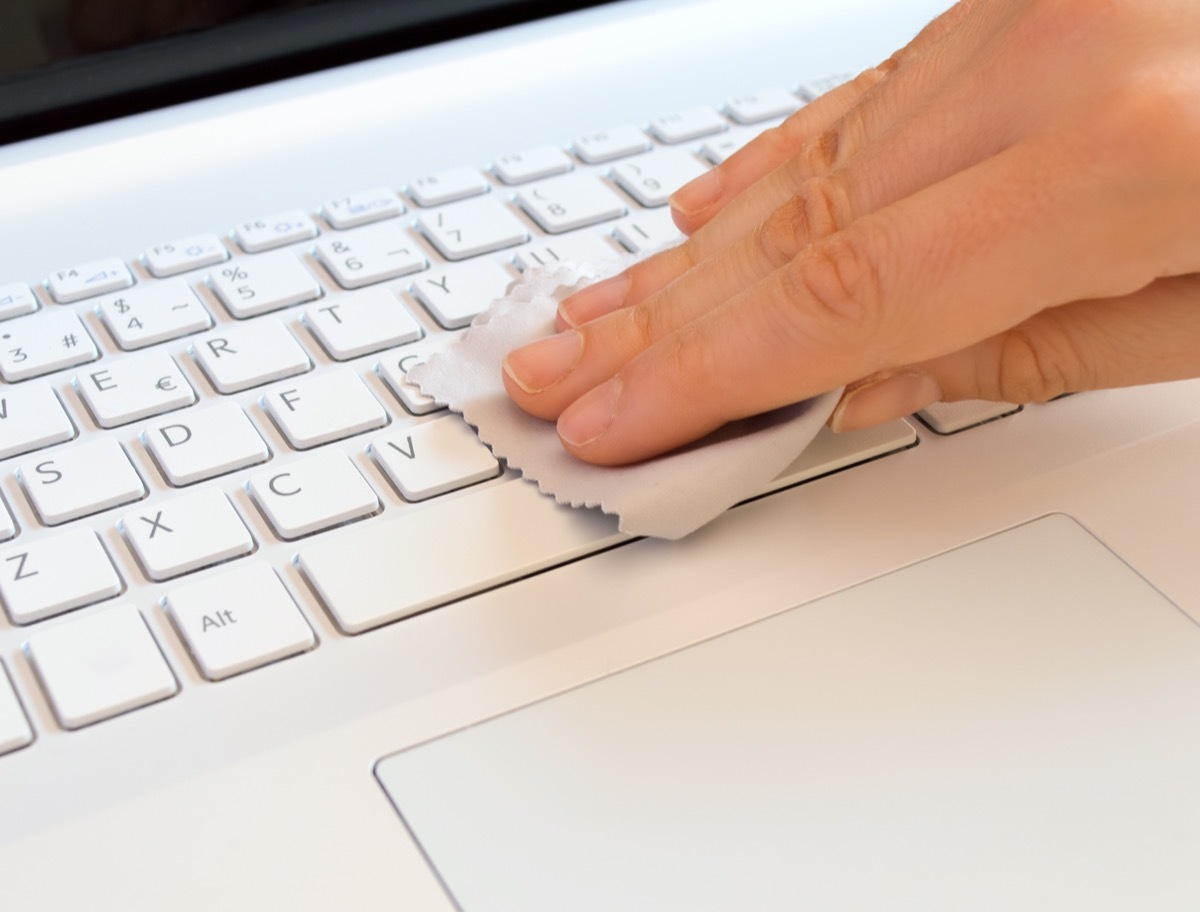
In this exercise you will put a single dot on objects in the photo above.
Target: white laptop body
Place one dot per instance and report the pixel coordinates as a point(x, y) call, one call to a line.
point(261, 790)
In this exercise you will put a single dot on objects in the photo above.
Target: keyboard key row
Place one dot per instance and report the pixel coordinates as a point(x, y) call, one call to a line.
point(437, 189)
point(56, 573)
point(242, 617)
point(146, 315)
point(107, 663)
point(366, 576)
point(202, 443)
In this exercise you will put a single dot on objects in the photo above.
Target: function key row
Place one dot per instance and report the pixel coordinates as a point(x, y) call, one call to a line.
point(537, 163)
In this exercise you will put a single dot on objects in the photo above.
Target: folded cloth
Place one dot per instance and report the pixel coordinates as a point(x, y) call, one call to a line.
point(666, 497)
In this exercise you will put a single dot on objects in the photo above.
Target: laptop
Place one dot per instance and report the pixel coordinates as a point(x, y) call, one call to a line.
point(278, 632)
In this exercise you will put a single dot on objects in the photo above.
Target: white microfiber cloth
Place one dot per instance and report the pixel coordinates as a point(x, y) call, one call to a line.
point(665, 497)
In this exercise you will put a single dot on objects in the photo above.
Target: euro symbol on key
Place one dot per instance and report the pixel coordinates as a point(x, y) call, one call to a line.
point(165, 383)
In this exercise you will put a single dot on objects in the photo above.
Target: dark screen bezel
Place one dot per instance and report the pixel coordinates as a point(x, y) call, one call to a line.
point(259, 49)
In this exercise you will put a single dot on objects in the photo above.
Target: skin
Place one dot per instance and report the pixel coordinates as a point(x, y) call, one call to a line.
point(1006, 209)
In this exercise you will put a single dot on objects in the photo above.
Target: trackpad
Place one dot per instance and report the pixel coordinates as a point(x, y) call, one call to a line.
point(1011, 725)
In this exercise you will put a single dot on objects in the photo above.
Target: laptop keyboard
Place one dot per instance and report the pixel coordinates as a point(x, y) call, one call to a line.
point(212, 439)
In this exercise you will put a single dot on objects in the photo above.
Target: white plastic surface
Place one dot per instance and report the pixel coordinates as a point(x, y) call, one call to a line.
point(142, 804)
point(954, 735)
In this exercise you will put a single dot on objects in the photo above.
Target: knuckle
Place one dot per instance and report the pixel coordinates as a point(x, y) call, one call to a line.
point(838, 280)
point(1155, 123)
point(783, 140)
point(820, 154)
point(778, 238)
point(1039, 362)
point(819, 209)
point(825, 204)
point(641, 326)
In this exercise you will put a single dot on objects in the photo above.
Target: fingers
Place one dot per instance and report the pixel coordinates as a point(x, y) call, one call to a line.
point(933, 273)
point(763, 154)
point(914, 155)
point(1145, 337)
point(694, 204)
point(697, 202)
point(773, 171)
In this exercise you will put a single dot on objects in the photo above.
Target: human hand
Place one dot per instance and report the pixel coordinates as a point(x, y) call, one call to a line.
point(1006, 209)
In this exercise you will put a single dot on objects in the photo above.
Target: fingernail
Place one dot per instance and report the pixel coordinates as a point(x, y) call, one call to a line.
point(698, 194)
point(878, 401)
point(541, 364)
point(589, 417)
point(594, 301)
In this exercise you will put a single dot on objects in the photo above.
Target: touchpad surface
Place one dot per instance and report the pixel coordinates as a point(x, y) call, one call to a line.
point(1014, 724)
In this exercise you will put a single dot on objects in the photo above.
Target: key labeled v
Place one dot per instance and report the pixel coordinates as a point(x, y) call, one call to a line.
point(411, 452)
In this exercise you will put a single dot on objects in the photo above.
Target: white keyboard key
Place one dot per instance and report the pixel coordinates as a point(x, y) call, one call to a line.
point(100, 665)
point(254, 286)
point(312, 494)
point(651, 179)
point(689, 124)
point(153, 313)
point(275, 230)
point(952, 417)
point(471, 228)
point(324, 407)
point(205, 443)
point(79, 480)
point(369, 255)
point(435, 457)
point(596, 148)
point(78, 282)
point(55, 573)
point(362, 207)
point(720, 148)
point(829, 452)
point(239, 619)
point(532, 164)
point(455, 296)
point(428, 555)
point(31, 417)
point(14, 725)
point(249, 354)
point(765, 105)
point(367, 321)
point(645, 231)
point(394, 368)
point(582, 247)
point(16, 299)
point(448, 186)
point(193, 252)
point(134, 387)
point(566, 203)
point(186, 533)
point(42, 343)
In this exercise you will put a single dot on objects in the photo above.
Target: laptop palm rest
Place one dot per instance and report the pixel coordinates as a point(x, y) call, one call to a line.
point(1014, 724)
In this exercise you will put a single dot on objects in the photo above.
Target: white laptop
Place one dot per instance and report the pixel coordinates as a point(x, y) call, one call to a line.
point(277, 632)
